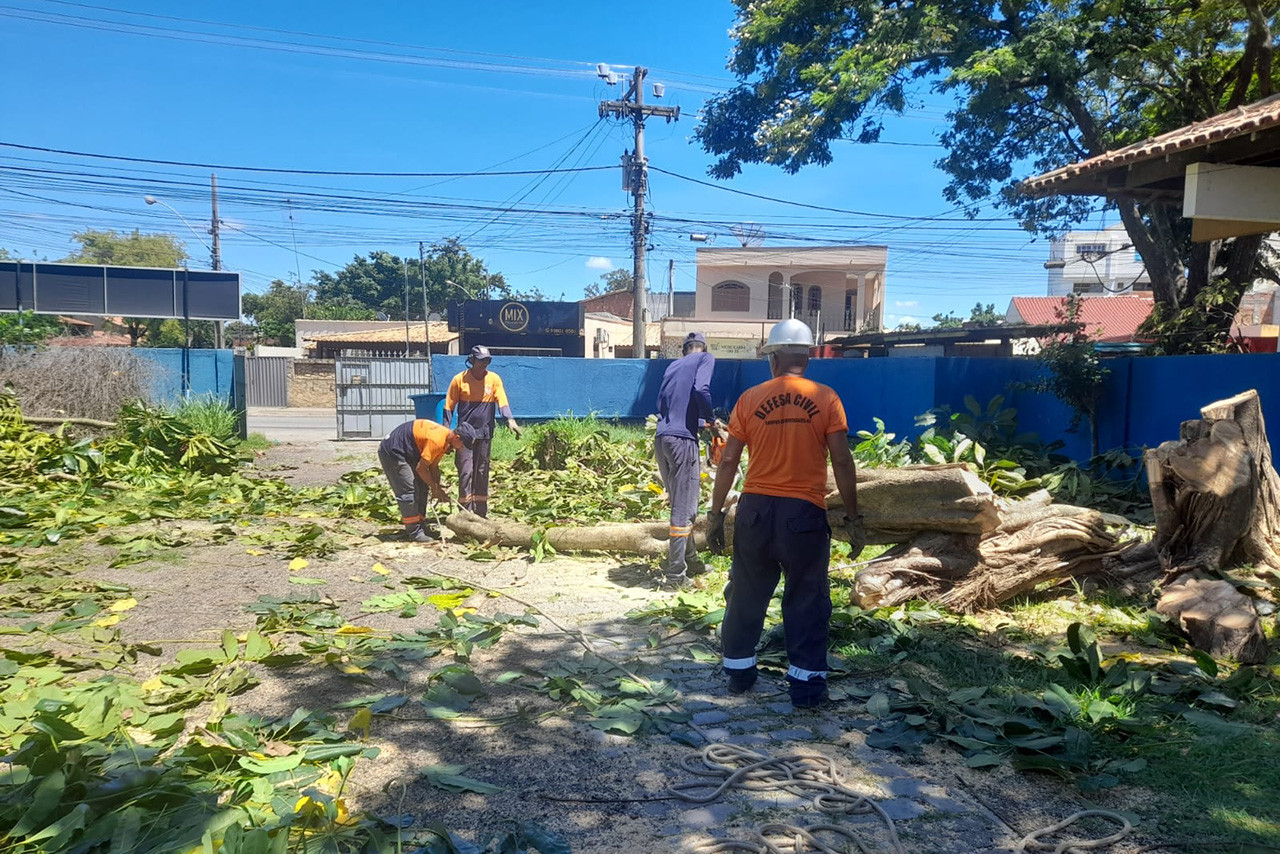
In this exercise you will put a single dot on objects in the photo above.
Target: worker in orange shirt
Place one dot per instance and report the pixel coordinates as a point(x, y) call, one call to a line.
point(478, 396)
point(791, 425)
point(410, 457)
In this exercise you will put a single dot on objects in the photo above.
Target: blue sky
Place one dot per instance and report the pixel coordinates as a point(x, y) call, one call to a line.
point(441, 87)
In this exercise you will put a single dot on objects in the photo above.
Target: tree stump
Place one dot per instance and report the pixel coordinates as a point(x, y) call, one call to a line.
point(1216, 496)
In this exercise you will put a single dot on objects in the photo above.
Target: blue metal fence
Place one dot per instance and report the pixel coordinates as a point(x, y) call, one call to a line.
point(1144, 398)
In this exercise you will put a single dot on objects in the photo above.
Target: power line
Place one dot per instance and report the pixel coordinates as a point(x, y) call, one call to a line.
point(284, 171)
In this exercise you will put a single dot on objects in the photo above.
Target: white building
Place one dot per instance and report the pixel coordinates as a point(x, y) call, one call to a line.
point(743, 291)
point(1102, 263)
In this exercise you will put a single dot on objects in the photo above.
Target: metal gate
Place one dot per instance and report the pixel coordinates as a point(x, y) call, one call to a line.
point(373, 394)
point(266, 380)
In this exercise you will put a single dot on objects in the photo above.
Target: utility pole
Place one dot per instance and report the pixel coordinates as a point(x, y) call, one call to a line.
point(216, 252)
point(636, 181)
point(671, 286)
point(426, 314)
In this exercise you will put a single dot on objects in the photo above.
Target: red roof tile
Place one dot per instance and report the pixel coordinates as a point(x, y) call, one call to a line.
point(1251, 118)
point(1107, 318)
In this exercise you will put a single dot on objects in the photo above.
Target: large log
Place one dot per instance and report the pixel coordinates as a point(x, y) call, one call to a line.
point(1216, 496)
point(895, 503)
point(1037, 542)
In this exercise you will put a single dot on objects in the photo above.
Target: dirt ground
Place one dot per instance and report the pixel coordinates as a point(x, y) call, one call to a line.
point(549, 762)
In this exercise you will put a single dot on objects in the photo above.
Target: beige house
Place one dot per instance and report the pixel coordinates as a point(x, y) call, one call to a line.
point(742, 292)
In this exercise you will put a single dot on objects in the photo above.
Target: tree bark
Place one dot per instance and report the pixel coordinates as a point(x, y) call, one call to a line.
point(895, 504)
point(1037, 542)
point(1216, 497)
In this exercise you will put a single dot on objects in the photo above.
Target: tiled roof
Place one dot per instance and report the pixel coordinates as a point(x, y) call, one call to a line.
point(97, 339)
point(1107, 318)
point(1249, 119)
point(439, 333)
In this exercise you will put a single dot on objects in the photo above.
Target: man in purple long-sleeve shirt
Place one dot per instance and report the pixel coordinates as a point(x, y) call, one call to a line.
point(684, 407)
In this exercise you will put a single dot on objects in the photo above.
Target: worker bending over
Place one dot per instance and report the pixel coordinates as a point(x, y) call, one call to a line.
point(410, 457)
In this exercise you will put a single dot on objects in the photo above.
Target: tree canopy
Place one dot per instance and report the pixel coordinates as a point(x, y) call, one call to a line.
point(274, 312)
point(378, 282)
point(1037, 85)
point(979, 315)
point(613, 281)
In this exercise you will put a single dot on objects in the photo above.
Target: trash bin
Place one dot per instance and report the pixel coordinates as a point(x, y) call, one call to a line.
point(429, 405)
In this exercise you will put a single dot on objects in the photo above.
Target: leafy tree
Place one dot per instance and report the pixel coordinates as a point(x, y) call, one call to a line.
point(27, 327)
point(907, 327)
point(985, 315)
point(615, 280)
point(1075, 370)
point(1038, 84)
point(274, 312)
point(343, 311)
point(377, 282)
point(127, 250)
point(131, 250)
point(947, 321)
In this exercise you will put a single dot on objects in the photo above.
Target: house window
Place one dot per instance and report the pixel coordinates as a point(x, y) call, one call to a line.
point(815, 300)
point(1083, 287)
point(1091, 251)
point(850, 302)
point(775, 296)
point(797, 300)
point(731, 296)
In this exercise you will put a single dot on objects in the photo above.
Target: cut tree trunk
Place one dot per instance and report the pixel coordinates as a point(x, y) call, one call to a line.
point(1216, 496)
point(895, 504)
point(1037, 542)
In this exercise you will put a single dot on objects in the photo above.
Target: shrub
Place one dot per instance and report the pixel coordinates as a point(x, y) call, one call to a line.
point(75, 382)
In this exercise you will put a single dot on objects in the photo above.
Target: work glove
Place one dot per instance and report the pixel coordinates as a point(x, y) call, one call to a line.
point(515, 428)
point(856, 531)
point(440, 496)
point(715, 531)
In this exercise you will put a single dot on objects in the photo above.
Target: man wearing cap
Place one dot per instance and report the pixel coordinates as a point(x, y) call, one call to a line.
point(791, 425)
point(684, 407)
point(478, 396)
point(410, 457)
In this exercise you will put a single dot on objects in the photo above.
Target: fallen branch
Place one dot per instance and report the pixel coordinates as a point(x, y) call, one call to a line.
point(83, 422)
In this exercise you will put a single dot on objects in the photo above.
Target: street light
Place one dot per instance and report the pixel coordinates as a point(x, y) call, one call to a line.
point(466, 291)
point(217, 324)
point(152, 200)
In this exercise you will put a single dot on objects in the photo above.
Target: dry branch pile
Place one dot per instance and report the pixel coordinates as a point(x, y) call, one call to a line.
point(76, 382)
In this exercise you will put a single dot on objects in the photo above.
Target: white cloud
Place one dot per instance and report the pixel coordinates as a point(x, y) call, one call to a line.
point(909, 303)
point(905, 320)
point(599, 262)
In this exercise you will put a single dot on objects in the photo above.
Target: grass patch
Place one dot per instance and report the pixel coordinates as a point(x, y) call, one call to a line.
point(206, 414)
point(256, 442)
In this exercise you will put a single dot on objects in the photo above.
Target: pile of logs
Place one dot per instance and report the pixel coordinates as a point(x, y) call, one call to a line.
point(1217, 505)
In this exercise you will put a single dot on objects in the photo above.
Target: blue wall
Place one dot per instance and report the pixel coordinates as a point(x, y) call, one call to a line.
point(1145, 399)
point(210, 371)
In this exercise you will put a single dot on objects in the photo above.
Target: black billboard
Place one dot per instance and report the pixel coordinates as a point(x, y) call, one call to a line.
point(118, 291)
point(519, 325)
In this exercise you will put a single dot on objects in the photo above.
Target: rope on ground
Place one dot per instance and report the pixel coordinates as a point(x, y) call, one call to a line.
point(784, 839)
point(1031, 842)
point(814, 775)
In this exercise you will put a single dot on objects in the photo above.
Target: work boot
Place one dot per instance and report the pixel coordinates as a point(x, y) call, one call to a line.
point(741, 680)
point(809, 695)
point(693, 566)
point(416, 534)
point(673, 582)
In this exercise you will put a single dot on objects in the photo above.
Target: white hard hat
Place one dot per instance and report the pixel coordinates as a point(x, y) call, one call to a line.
point(790, 336)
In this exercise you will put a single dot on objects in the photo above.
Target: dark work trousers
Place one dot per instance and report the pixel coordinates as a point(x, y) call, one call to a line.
point(410, 491)
point(473, 477)
point(775, 536)
point(680, 468)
